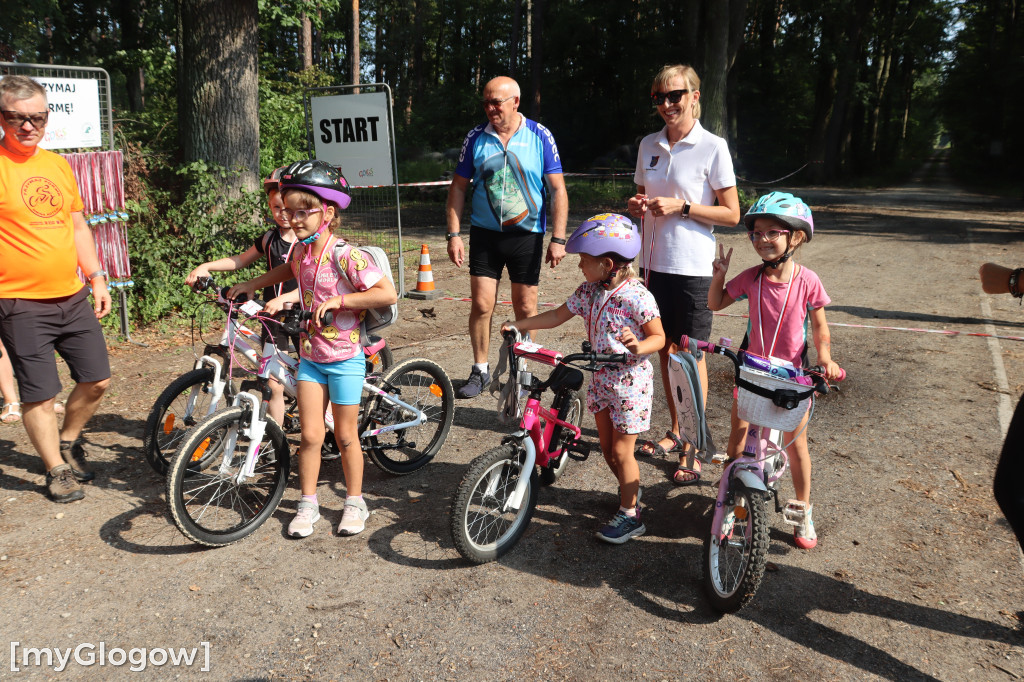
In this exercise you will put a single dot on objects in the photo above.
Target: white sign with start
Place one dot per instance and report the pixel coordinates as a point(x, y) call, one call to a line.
point(351, 132)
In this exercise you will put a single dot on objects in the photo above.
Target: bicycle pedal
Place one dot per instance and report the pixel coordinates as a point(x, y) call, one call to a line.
point(795, 512)
point(579, 451)
point(719, 457)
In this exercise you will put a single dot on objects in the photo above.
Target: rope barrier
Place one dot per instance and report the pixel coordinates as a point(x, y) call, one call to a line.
point(772, 182)
point(944, 332)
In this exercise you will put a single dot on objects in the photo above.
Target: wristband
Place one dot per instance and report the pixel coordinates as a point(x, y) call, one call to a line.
point(558, 240)
point(1015, 283)
point(342, 306)
point(97, 275)
point(451, 235)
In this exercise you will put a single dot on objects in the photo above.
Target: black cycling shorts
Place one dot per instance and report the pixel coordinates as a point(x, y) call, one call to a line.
point(683, 302)
point(491, 251)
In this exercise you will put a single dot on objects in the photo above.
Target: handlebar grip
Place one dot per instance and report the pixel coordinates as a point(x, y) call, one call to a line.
point(706, 346)
point(819, 370)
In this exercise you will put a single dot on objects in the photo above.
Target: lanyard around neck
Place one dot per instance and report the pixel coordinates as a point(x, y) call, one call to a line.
point(592, 322)
point(316, 273)
point(782, 313)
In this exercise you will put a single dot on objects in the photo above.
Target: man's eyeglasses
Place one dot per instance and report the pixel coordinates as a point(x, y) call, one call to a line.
point(770, 235)
point(658, 98)
point(300, 214)
point(17, 119)
point(496, 102)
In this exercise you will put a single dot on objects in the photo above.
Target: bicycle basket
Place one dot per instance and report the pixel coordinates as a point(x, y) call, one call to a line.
point(762, 409)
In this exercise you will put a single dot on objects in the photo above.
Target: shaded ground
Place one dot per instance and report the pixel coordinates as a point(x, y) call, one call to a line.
point(916, 575)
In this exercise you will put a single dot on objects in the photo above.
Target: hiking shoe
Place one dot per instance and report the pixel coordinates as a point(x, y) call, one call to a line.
point(353, 518)
point(622, 528)
point(61, 484)
point(803, 533)
point(474, 384)
point(306, 515)
point(74, 455)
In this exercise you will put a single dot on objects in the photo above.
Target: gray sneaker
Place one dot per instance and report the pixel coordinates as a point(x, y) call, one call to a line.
point(353, 518)
point(61, 484)
point(74, 455)
point(306, 515)
point(474, 385)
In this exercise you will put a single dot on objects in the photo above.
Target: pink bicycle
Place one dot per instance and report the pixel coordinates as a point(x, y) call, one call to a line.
point(496, 498)
point(773, 401)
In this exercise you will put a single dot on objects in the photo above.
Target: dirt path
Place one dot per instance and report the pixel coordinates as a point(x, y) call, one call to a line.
point(916, 575)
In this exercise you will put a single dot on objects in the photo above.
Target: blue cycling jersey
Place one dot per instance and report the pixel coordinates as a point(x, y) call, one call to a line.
point(508, 192)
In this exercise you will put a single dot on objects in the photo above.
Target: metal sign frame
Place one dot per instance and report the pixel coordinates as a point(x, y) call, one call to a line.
point(308, 94)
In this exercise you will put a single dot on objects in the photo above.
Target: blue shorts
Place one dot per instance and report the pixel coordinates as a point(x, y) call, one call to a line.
point(344, 379)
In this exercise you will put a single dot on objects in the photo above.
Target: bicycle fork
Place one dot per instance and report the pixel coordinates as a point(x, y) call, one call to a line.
point(254, 431)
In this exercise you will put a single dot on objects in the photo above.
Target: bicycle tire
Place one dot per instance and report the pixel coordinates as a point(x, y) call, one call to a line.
point(481, 531)
point(733, 571)
point(425, 385)
point(570, 410)
point(162, 434)
point(208, 507)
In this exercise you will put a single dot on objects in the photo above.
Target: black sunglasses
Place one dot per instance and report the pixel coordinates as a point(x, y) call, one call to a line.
point(17, 120)
point(658, 98)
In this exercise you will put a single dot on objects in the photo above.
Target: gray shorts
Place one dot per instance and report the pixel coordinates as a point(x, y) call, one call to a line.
point(33, 329)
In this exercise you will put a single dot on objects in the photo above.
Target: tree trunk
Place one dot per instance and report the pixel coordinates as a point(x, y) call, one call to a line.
point(513, 57)
point(355, 44)
point(218, 95)
point(537, 65)
point(306, 42)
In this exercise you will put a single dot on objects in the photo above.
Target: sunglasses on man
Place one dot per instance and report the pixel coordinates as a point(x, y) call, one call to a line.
point(658, 98)
point(17, 119)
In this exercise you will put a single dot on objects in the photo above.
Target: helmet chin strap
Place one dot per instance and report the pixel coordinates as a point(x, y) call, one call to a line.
point(777, 262)
point(316, 235)
point(606, 283)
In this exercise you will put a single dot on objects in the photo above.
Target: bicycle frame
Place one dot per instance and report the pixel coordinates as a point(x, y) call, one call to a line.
point(749, 467)
point(534, 439)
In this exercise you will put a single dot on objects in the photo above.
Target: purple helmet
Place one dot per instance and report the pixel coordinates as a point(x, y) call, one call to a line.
point(319, 178)
point(785, 208)
point(607, 233)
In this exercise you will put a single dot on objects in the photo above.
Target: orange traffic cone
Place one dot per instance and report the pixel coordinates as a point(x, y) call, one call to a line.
point(425, 283)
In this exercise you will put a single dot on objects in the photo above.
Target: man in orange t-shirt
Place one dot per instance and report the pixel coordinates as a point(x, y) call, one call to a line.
point(44, 307)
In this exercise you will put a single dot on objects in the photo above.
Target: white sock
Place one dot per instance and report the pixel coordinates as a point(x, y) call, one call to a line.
point(482, 366)
point(628, 512)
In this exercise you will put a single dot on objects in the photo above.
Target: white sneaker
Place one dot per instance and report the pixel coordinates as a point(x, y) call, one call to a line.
point(353, 518)
point(307, 514)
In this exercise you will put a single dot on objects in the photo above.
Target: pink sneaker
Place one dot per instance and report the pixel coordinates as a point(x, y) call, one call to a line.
point(803, 534)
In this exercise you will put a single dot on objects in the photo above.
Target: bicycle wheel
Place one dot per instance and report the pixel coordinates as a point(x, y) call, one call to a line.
point(481, 527)
point(570, 410)
point(208, 506)
point(424, 385)
point(184, 402)
point(733, 568)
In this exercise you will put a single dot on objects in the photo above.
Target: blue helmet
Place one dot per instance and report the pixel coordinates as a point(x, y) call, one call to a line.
point(607, 233)
point(785, 208)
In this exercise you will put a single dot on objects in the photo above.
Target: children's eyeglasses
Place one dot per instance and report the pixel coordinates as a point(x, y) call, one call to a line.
point(658, 98)
point(17, 120)
point(770, 235)
point(300, 214)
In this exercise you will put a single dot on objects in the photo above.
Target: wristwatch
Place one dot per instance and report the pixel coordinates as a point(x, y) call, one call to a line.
point(451, 235)
point(685, 211)
point(558, 240)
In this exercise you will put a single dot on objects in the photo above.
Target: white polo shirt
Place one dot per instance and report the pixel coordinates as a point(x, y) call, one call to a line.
point(691, 169)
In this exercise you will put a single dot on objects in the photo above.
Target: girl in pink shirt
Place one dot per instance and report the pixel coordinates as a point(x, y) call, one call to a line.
point(783, 297)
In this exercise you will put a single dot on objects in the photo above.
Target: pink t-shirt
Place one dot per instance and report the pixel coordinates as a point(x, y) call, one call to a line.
point(342, 269)
point(769, 299)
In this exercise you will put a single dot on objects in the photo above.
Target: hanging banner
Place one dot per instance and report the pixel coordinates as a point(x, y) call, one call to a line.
point(351, 132)
point(74, 113)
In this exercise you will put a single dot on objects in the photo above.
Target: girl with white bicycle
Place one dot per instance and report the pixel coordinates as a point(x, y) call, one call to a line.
point(782, 297)
point(276, 245)
point(621, 316)
point(336, 281)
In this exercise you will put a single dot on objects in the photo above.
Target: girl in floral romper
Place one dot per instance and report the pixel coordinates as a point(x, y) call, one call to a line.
point(621, 317)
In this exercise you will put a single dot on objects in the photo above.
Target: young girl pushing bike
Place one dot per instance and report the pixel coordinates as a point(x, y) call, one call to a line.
point(336, 281)
point(276, 245)
point(782, 297)
point(621, 316)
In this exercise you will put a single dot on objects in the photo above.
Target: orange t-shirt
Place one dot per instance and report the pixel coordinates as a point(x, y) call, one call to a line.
point(38, 257)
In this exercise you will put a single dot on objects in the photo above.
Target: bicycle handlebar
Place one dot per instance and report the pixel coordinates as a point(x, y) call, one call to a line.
point(817, 373)
point(204, 283)
point(588, 356)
